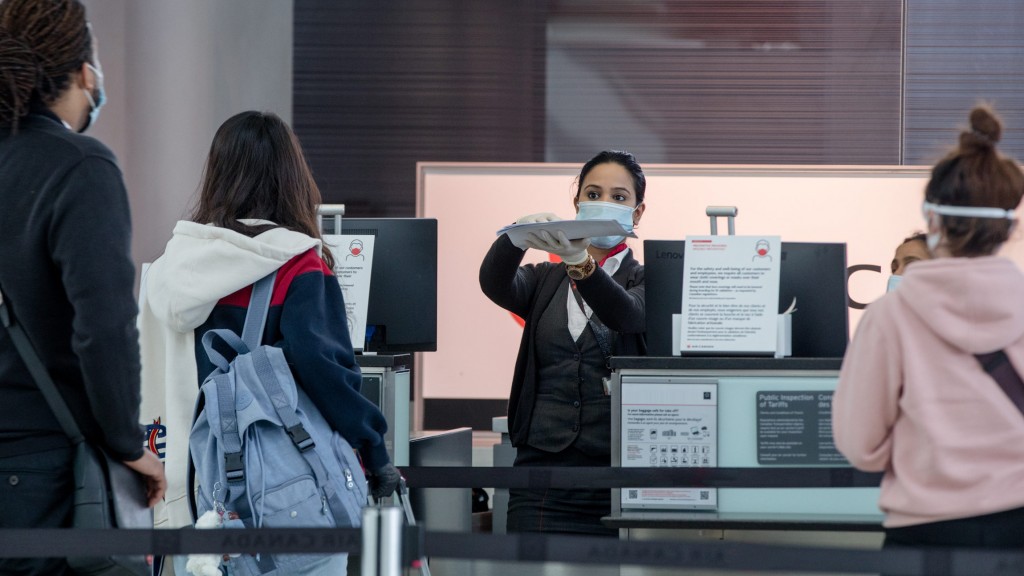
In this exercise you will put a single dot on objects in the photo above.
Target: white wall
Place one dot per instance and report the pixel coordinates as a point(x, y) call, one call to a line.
point(174, 72)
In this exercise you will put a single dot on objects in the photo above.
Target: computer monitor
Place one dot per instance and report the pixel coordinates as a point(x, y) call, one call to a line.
point(402, 311)
point(814, 273)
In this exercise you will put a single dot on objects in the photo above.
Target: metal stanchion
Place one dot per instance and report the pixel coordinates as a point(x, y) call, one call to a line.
point(371, 542)
point(390, 562)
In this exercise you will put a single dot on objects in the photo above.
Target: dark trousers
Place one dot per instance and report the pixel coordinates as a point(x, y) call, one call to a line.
point(999, 530)
point(566, 511)
point(36, 492)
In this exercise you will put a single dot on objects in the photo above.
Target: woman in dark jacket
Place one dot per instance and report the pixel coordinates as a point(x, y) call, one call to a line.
point(578, 313)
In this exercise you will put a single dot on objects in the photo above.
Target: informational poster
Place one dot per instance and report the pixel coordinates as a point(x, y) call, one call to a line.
point(730, 295)
point(795, 428)
point(353, 264)
point(669, 425)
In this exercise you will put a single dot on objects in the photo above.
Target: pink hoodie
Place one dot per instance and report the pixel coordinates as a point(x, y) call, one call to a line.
point(914, 402)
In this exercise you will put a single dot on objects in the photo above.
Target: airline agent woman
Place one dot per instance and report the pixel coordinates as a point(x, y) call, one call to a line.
point(578, 312)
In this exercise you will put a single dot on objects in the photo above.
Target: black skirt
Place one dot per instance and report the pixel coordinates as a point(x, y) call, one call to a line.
point(566, 511)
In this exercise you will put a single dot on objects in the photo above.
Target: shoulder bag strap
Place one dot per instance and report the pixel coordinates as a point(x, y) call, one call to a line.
point(39, 374)
point(999, 368)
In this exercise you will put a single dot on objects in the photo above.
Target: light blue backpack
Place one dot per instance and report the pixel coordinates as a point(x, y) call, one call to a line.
point(261, 449)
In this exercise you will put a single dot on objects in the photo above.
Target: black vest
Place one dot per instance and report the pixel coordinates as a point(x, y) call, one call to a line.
point(571, 404)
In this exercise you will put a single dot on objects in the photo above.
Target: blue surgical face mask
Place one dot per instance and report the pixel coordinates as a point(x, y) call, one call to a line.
point(894, 281)
point(597, 210)
point(95, 104)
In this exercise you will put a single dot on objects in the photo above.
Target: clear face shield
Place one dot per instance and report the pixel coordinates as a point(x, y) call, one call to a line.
point(932, 212)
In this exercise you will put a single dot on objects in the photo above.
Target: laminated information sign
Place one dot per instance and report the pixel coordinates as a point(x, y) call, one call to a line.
point(730, 295)
point(795, 428)
point(353, 264)
point(669, 425)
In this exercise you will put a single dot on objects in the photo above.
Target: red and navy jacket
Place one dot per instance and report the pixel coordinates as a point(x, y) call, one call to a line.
point(307, 321)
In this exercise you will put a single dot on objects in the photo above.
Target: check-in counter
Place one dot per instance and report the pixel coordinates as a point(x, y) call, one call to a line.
point(386, 383)
point(731, 413)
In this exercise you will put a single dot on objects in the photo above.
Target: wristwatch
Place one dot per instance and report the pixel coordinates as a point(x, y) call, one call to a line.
point(582, 270)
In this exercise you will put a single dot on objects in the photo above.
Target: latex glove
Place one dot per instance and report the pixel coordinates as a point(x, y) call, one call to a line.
point(570, 251)
point(538, 217)
point(384, 481)
point(532, 218)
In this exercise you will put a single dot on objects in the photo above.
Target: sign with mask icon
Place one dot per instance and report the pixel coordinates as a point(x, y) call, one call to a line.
point(353, 264)
point(730, 295)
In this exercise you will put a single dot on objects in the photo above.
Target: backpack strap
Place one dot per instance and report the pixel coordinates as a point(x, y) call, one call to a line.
point(252, 335)
point(259, 308)
point(230, 338)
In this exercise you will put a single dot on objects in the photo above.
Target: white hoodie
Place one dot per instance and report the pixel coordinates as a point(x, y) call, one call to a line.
point(200, 265)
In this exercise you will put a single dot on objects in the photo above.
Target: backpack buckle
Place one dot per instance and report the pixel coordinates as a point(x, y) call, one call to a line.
point(234, 467)
point(300, 438)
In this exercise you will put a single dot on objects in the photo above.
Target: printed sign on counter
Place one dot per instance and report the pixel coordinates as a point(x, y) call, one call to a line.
point(795, 428)
point(672, 425)
point(353, 263)
point(730, 295)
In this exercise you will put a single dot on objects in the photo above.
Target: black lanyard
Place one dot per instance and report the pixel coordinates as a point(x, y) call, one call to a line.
point(601, 332)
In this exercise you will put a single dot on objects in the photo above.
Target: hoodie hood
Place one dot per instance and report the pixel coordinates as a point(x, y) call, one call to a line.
point(972, 303)
point(203, 263)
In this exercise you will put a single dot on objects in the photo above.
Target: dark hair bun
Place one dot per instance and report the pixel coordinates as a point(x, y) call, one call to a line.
point(986, 129)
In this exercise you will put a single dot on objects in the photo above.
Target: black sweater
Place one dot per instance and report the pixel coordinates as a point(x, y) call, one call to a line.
point(66, 270)
point(617, 300)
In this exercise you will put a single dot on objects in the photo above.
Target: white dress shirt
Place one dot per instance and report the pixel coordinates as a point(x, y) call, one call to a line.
point(577, 319)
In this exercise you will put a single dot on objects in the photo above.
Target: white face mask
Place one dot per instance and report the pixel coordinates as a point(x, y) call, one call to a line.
point(894, 281)
point(598, 210)
point(931, 211)
point(95, 104)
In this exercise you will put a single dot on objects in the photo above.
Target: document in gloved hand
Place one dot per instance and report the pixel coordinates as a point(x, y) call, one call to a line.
point(574, 229)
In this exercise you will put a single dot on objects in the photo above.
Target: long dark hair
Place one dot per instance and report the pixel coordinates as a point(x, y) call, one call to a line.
point(976, 174)
point(42, 42)
point(256, 169)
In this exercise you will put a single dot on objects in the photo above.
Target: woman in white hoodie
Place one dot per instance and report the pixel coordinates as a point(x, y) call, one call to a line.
point(913, 399)
point(257, 213)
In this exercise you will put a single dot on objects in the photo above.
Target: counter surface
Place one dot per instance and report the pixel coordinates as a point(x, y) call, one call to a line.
point(739, 521)
point(397, 361)
point(722, 363)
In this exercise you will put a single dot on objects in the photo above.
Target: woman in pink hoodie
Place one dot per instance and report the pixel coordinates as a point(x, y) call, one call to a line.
point(913, 399)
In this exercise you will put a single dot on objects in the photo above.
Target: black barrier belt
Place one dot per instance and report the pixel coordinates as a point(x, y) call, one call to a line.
point(55, 542)
point(724, 555)
point(607, 477)
point(734, 556)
